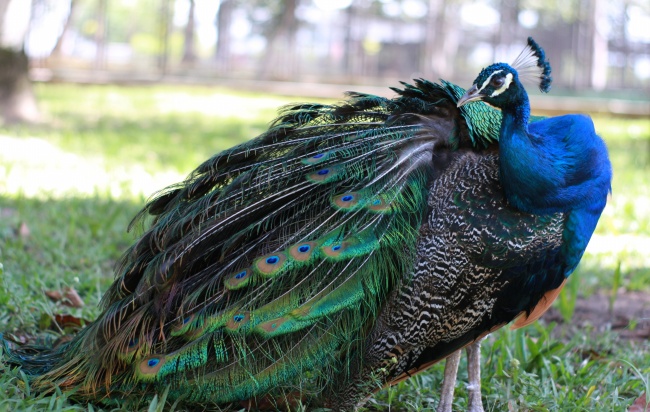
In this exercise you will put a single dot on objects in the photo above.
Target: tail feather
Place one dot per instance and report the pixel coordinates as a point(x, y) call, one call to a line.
point(273, 259)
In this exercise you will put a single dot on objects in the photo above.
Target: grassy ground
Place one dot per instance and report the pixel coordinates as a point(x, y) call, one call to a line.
point(69, 187)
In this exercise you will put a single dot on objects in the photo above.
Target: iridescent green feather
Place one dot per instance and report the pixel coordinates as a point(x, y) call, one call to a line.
point(272, 260)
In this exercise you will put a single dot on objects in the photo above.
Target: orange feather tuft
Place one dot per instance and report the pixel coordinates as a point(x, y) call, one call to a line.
point(542, 306)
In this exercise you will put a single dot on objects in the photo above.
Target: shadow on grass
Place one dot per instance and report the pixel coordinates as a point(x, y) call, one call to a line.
point(53, 243)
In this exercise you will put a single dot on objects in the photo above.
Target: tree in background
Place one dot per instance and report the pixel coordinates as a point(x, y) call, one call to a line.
point(222, 22)
point(17, 100)
point(57, 51)
point(189, 53)
point(441, 39)
point(345, 40)
point(279, 59)
point(100, 34)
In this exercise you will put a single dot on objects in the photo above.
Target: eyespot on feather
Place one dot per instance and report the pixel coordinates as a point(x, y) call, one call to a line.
point(270, 326)
point(238, 279)
point(238, 320)
point(334, 250)
point(302, 252)
point(270, 264)
point(183, 325)
point(150, 366)
point(317, 158)
point(210, 323)
point(379, 204)
point(324, 175)
point(347, 201)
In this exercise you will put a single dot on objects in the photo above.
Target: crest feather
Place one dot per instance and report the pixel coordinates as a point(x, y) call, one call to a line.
point(531, 65)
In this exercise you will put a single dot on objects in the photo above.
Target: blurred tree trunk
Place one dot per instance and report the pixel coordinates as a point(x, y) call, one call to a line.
point(4, 5)
point(281, 61)
point(164, 25)
point(584, 47)
point(222, 21)
point(441, 40)
point(66, 29)
point(17, 100)
point(452, 40)
point(600, 54)
point(189, 53)
point(100, 35)
point(508, 25)
point(353, 52)
point(432, 31)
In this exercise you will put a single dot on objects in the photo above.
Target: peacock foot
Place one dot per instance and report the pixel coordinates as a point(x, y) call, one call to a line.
point(449, 382)
point(474, 385)
point(474, 376)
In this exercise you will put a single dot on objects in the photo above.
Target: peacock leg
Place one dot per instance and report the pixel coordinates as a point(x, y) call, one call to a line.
point(474, 377)
point(449, 382)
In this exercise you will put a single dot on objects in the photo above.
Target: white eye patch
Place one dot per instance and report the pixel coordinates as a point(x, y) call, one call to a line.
point(485, 83)
point(506, 83)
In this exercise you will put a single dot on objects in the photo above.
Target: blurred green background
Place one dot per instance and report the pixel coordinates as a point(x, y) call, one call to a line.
point(107, 101)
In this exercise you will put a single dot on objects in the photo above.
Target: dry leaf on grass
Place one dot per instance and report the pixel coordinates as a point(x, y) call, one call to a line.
point(61, 322)
point(73, 297)
point(23, 230)
point(54, 295)
point(69, 297)
point(640, 405)
point(69, 321)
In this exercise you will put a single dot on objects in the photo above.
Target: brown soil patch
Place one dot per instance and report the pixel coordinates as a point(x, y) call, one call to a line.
point(629, 317)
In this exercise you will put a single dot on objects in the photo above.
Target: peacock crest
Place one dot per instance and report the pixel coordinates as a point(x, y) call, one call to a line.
point(532, 66)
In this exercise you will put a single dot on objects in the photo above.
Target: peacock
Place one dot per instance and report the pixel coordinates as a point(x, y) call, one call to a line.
point(347, 248)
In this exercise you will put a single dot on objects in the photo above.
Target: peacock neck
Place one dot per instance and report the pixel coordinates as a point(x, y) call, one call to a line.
point(515, 117)
point(522, 159)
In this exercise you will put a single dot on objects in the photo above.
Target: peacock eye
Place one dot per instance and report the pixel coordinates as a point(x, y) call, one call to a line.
point(497, 82)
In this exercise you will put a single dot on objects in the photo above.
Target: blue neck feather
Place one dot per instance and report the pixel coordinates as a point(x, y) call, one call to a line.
point(555, 165)
point(522, 159)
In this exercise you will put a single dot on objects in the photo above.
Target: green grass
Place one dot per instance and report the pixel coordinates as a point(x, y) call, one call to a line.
point(69, 187)
point(526, 370)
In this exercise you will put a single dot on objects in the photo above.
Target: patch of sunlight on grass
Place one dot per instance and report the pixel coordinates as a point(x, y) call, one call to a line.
point(635, 243)
point(614, 128)
point(630, 251)
point(36, 168)
point(627, 211)
point(218, 104)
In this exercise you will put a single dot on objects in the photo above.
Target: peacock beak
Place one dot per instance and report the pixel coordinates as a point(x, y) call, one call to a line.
point(471, 95)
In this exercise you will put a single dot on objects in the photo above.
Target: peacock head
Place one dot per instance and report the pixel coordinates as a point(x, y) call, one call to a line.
point(499, 84)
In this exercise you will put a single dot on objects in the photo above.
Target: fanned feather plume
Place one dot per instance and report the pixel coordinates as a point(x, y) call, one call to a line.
point(532, 66)
point(272, 256)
